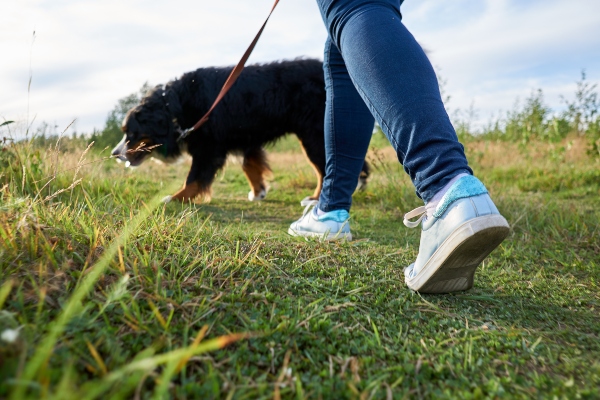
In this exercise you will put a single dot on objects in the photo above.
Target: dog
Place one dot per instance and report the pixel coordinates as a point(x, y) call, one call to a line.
point(267, 102)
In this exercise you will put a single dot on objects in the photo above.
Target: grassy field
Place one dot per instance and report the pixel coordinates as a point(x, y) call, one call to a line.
point(106, 293)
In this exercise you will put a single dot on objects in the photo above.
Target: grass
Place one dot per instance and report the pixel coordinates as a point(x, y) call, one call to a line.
point(114, 295)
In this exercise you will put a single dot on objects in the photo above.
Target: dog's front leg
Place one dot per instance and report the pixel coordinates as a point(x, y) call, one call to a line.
point(188, 192)
point(199, 180)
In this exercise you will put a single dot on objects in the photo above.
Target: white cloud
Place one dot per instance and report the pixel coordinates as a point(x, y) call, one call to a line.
point(508, 48)
point(86, 55)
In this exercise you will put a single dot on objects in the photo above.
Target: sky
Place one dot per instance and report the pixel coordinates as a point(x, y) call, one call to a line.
point(87, 54)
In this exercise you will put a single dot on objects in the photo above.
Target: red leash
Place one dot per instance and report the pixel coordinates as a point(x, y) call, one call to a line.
point(235, 73)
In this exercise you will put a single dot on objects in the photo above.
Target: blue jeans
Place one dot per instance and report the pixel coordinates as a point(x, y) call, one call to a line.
point(375, 70)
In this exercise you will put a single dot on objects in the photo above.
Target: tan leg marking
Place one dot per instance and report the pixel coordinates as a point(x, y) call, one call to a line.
point(256, 169)
point(190, 192)
point(317, 191)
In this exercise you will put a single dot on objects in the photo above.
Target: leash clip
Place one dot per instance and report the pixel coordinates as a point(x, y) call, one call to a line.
point(184, 133)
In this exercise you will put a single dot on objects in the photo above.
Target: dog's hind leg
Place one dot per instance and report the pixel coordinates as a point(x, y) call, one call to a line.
point(363, 177)
point(315, 153)
point(256, 168)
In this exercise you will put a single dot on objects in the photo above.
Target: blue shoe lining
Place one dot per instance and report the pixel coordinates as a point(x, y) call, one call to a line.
point(336, 215)
point(467, 186)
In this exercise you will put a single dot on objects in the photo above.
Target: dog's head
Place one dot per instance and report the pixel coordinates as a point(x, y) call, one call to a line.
point(151, 129)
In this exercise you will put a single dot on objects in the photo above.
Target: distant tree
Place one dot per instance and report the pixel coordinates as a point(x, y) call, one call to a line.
point(530, 121)
point(111, 134)
point(583, 112)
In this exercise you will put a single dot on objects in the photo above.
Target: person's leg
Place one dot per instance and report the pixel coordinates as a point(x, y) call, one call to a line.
point(348, 130)
point(397, 82)
point(394, 78)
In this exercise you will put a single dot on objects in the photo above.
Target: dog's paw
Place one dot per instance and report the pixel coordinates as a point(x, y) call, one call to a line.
point(362, 184)
point(259, 197)
point(167, 199)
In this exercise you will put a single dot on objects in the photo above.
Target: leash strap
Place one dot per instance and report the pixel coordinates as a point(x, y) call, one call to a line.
point(235, 73)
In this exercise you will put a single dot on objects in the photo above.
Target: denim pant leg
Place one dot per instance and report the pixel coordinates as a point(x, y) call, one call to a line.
point(398, 84)
point(348, 130)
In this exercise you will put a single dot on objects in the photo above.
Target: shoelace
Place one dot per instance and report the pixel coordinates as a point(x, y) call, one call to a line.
point(420, 212)
point(308, 203)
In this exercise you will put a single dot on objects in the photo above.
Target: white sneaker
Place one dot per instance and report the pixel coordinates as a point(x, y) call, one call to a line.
point(466, 226)
point(333, 225)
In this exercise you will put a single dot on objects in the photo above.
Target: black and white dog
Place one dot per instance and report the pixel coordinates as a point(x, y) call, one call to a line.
point(267, 102)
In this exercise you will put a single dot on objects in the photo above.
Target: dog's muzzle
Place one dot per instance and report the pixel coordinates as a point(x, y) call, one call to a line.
point(119, 152)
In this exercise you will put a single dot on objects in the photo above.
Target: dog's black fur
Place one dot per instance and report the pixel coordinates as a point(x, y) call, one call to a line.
point(267, 102)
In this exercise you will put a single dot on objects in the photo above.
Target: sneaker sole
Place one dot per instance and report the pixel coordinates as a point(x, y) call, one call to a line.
point(452, 267)
point(330, 236)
